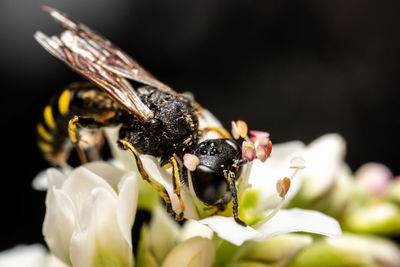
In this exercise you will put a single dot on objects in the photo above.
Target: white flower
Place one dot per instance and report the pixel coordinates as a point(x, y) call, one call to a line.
point(262, 180)
point(325, 163)
point(89, 215)
point(164, 243)
point(34, 255)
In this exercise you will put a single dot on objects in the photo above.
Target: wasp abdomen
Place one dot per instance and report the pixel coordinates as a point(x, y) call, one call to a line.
point(83, 99)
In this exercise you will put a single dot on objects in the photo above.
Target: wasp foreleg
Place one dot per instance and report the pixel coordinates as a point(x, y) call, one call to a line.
point(177, 188)
point(126, 145)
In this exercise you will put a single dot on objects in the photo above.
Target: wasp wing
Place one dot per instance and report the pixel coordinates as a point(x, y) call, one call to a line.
point(108, 55)
point(75, 54)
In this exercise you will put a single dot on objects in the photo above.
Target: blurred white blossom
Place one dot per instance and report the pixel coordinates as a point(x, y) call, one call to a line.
point(35, 255)
point(89, 215)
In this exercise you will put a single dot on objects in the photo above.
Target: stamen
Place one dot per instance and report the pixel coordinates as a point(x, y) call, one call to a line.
point(190, 161)
point(261, 137)
point(248, 151)
point(297, 163)
point(261, 153)
point(269, 148)
point(235, 130)
point(242, 127)
point(282, 186)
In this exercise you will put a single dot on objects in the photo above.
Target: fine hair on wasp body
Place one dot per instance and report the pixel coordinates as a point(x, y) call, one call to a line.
point(154, 119)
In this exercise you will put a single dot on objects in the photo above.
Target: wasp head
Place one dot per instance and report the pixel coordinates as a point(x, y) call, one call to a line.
point(216, 157)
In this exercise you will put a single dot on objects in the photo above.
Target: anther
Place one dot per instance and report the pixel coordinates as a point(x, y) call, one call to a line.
point(297, 163)
point(235, 130)
point(282, 186)
point(269, 148)
point(261, 137)
point(261, 153)
point(242, 128)
point(248, 151)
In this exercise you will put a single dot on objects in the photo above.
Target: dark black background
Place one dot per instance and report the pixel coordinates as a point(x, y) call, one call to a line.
point(297, 69)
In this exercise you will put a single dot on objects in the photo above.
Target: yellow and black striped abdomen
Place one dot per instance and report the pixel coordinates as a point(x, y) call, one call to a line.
point(51, 128)
point(80, 98)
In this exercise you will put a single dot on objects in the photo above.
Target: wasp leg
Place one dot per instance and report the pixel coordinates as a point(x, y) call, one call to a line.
point(90, 123)
point(75, 138)
point(177, 188)
point(126, 145)
point(232, 186)
point(219, 130)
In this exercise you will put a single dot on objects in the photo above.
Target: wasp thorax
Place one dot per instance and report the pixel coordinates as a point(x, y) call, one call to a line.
point(216, 157)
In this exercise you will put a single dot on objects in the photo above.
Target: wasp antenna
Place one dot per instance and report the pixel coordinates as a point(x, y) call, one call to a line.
point(235, 202)
point(232, 185)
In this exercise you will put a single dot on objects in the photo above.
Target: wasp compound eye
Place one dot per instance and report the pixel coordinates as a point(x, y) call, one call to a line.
point(209, 185)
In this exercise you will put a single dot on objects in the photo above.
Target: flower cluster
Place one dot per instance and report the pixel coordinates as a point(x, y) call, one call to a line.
point(91, 210)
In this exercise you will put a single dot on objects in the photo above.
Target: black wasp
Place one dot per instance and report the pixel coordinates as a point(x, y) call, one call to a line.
point(154, 119)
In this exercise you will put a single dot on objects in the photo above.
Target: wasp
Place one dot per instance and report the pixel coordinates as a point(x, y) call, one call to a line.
point(154, 118)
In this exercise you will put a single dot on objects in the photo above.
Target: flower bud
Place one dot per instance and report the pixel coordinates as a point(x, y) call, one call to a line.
point(194, 252)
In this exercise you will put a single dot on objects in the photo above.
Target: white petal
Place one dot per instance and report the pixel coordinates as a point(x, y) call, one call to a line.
point(39, 183)
point(264, 175)
point(23, 255)
point(163, 233)
point(192, 228)
point(55, 178)
point(229, 230)
point(59, 221)
point(106, 171)
point(80, 184)
point(209, 119)
point(324, 159)
point(298, 220)
point(35, 255)
point(162, 176)
point(194, 252)
point(99, 240)
point(53, 261)
point(127, 203)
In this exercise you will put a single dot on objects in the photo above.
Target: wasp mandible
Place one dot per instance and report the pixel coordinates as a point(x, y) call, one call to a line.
point(154, 119)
